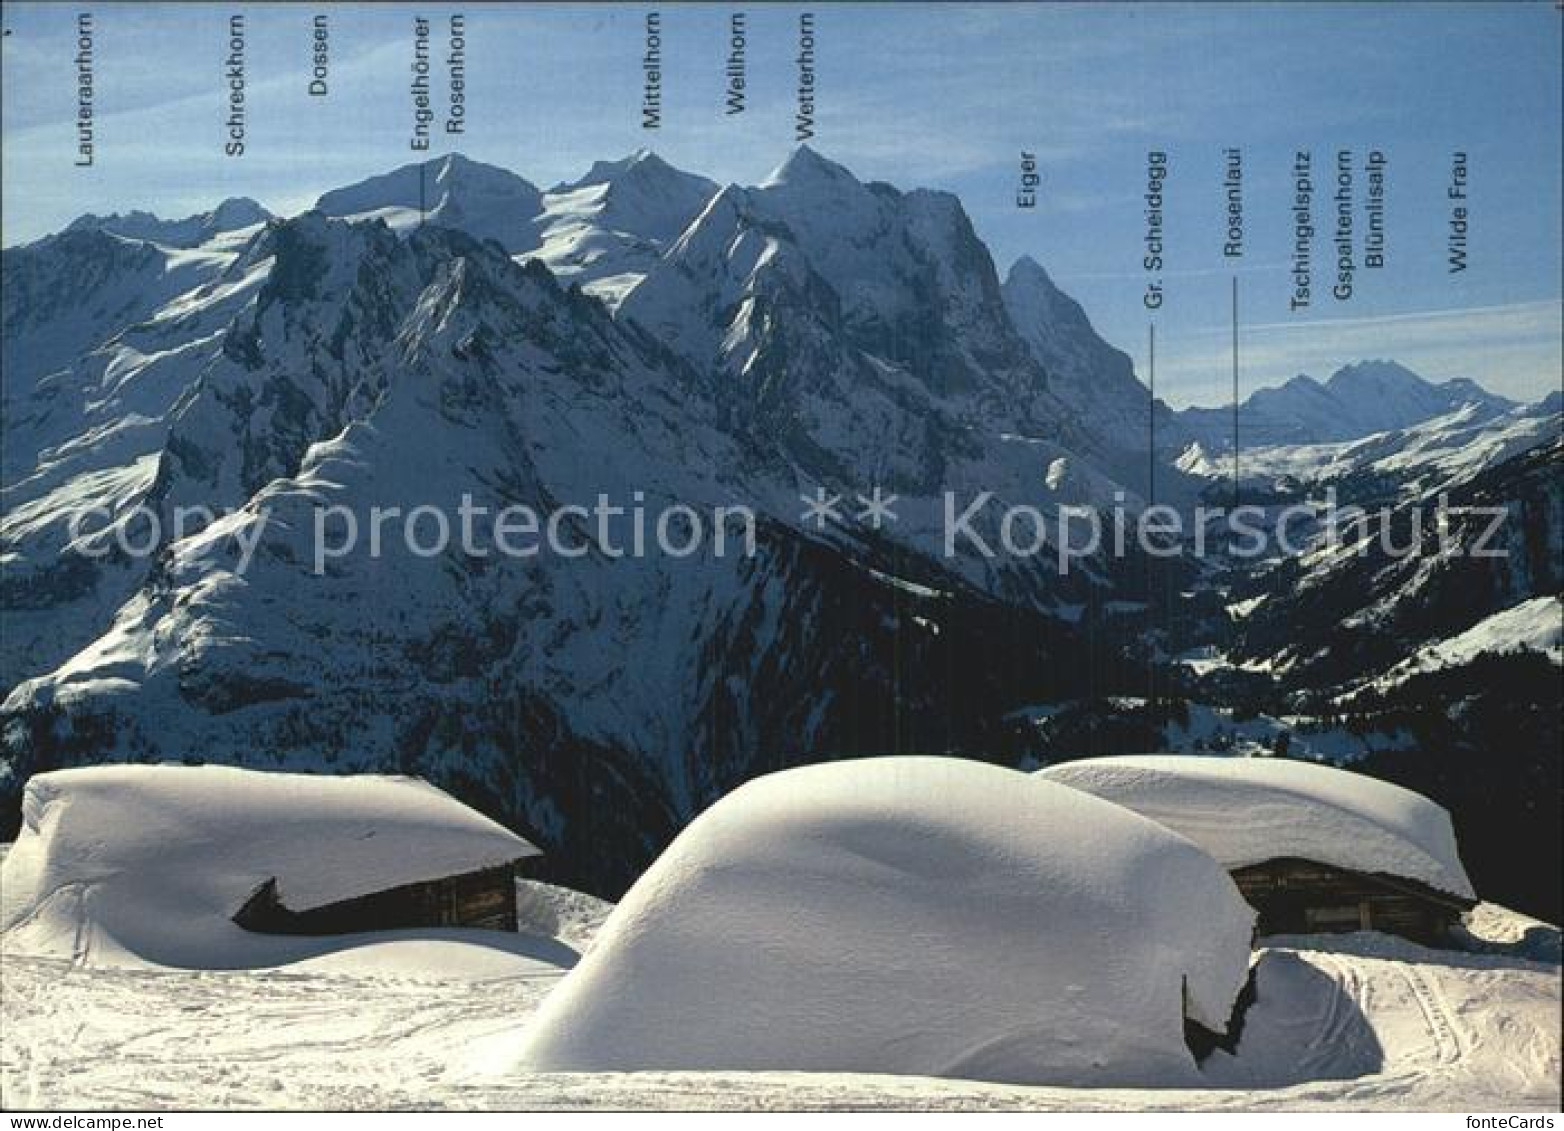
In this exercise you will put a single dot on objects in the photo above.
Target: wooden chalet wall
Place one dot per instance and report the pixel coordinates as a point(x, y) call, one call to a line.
point(1305, 897)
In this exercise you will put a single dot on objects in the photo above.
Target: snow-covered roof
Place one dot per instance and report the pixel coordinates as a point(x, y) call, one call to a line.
point(149, 863)
point(1249, 810)
point(909, 915)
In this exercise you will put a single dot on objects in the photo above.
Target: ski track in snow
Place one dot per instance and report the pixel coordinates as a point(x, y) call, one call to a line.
point(1399, 1025)
point(1441, 1025)
point(124, 1037)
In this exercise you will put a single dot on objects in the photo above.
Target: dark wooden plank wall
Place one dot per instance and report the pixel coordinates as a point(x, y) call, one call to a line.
point(485, 898)
point(1303, 896)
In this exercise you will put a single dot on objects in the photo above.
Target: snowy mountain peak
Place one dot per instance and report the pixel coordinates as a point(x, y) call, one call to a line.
point(1392, 395)
point(606, 230)
point(460, 165)
point(1466, 387)
point(485, 201)
point(1374, 376)
point(805, 167)
point(1093, 378)
point(1028, 271)
point(1042, 312)
point(640, 195)
point(237, 212)
point(1028, 282)
point(231, 215)
point(115, 222)
point(1357, 400)
point(1393, 382)
point(642, 163)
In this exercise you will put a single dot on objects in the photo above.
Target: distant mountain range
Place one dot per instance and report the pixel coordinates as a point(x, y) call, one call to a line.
point(450, 329)
point(1357, 400)
point(231, 215)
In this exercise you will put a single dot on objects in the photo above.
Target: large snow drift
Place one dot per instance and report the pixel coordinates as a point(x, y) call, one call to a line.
point(127, 864)
point(1249, 810)
point(905, 915)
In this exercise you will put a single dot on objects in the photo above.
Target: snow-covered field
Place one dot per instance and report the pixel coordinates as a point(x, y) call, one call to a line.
point(1359, 1021)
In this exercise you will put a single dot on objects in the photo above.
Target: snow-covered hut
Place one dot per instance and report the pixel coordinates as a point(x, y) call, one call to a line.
point(201, 866)
point(1312, 847)
point(910, 915)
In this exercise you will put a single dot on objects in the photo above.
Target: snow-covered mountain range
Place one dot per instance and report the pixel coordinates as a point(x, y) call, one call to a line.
point(450, 329)
point(1357, 400)
point(236, 214)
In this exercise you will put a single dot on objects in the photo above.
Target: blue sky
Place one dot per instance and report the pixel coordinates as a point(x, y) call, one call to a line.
point(939, 96)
